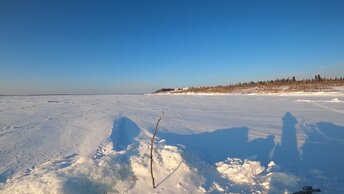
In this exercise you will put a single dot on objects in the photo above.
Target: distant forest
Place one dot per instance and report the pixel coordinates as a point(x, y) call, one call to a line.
point(315, 84)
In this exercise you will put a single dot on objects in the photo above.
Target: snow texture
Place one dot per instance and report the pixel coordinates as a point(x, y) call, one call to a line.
point(205, 144)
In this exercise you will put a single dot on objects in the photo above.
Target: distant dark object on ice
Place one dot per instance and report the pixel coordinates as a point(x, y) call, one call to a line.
point(307, 190)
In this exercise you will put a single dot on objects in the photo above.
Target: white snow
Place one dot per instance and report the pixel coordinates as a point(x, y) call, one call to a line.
point(335, 100)
point(206, 144)
point(239, 171)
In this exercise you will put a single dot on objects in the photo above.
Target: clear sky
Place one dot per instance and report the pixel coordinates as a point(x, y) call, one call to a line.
point(139, 46)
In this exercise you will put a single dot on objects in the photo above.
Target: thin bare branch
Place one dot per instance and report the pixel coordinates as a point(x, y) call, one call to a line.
point(151, 148)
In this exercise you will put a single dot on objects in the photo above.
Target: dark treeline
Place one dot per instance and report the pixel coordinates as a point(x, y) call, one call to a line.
point(317, 83)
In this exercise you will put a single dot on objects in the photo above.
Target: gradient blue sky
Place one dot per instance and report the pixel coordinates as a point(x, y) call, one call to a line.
point(140, 46)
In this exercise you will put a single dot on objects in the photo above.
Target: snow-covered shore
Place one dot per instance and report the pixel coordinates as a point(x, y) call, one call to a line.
point(335, 91)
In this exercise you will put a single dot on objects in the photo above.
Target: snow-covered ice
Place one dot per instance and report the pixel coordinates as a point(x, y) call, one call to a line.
point(205, 144)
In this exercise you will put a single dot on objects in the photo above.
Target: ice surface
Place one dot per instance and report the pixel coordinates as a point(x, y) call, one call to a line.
point(205, 144)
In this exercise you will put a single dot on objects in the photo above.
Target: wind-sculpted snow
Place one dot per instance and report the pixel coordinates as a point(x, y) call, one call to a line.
point(205, 144)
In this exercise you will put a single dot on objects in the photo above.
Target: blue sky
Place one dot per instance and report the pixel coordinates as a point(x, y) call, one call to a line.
point(140, 46)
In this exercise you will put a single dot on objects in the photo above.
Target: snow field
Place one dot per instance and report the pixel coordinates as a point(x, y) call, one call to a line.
point(205, 144)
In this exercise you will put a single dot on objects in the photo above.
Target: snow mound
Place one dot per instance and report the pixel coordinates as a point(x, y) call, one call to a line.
point(258, 178)
point(112, 170)
point(335, 100)
point(239, 171)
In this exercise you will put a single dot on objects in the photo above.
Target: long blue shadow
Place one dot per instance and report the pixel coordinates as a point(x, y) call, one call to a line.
point(220, 144)
point(124, 132)
point(286, 153)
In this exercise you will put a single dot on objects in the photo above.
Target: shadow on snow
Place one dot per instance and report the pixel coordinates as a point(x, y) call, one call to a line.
point(221, 144)
point(321, 156)
point(124, 132)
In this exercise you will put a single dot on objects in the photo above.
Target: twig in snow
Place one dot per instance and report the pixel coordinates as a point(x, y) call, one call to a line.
point(151, 148)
